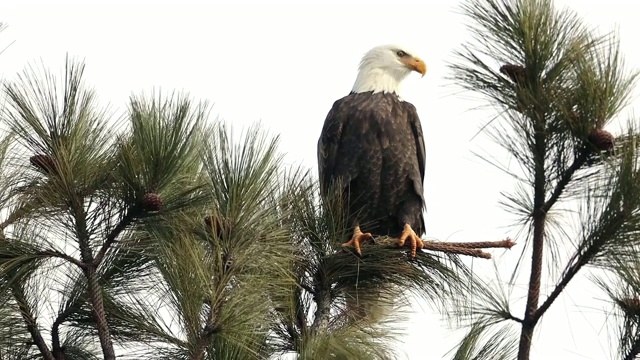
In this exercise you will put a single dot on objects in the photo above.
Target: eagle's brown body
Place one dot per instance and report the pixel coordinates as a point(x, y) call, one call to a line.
point(372, 143)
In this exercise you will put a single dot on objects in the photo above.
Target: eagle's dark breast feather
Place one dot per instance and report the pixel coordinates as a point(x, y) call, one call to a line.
point(373, 145)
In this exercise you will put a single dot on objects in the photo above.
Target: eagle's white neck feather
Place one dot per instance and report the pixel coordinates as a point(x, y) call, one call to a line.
point(379, 71)
point(378, 80)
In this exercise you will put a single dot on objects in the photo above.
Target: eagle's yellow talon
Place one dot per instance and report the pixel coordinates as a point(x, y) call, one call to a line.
point(358, 238)
point(415, 241)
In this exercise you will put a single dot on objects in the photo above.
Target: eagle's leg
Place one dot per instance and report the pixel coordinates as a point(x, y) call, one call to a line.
point(357, 239)
point(416, 242)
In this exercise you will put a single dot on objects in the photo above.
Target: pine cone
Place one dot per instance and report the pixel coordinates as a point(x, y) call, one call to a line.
point(601, 139)
point(630, 305)
point(515, 72)
point(44, 163)
point(152, 202)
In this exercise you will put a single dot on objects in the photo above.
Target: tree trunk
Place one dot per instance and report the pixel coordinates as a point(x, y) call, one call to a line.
point(539, 218)
point(95, 293)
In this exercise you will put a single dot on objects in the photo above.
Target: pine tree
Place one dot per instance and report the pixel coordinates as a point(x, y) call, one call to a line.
point(557, 84)
point(159, 234)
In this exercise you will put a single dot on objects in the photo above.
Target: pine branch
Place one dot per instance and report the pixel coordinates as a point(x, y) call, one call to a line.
point(27, 316)
point(461, 248)
point(113, 235)
point(55, 330)
point(29, 319)
point(16, 215)
point(564, 181)
point(557, 291)
point(575, 268)
point(533, 313)
point(57, 254)
point(514, 318)
point(634, 351)
point(205, 337)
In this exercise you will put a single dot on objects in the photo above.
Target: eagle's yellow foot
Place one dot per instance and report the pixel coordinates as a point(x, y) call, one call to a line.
point(416, 242)
point(358, 238)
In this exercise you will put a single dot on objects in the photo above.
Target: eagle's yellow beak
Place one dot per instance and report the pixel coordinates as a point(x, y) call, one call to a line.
point(415, 64)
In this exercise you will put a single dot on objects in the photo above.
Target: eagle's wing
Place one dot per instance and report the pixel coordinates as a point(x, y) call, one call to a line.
point(416, 127)
point(329, 143)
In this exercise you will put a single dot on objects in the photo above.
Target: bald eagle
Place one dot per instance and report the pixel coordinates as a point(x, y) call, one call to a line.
point(372, 147)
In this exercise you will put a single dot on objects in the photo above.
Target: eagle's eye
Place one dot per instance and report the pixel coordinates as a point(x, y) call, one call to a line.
point(401, 53)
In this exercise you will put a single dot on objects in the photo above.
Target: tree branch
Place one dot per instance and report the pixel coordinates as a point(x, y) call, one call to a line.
point(564, 180)
point(29, 319)
point(113, 235)
point(57, 254)
point(462, 248)
point(209, 329)
point(583, 259)
point(514, 318)
point(55, 331)
point(634, 351)
point(541, 208)
point(27, 316)
point(556, 291)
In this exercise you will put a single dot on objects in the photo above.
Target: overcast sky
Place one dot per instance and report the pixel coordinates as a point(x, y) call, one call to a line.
point(285, 65)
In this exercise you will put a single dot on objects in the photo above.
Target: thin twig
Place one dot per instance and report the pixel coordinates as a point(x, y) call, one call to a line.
point(572, 271)
point(514, 318)
point(444, 247)
point(564, 181)
point(113, 235)
point(57, 254)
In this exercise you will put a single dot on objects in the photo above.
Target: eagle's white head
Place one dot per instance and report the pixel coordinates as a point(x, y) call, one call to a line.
point(383, 68)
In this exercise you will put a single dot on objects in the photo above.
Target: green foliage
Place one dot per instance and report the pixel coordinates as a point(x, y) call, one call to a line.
point(160, 152)
point(163, 236)
point(622, 285)
point(556, 85)
point(346, 306)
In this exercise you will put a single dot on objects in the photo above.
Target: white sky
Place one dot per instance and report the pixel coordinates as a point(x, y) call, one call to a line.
point(284, 65)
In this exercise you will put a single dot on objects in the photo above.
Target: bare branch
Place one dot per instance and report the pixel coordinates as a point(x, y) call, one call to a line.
point(461, 248)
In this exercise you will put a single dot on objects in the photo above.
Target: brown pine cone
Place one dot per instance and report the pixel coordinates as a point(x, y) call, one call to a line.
point(601, 139)
point(152, 202)
point(515, 72)
point(44, 163)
